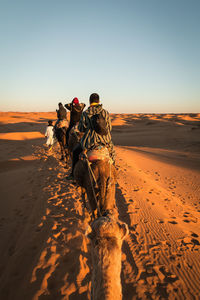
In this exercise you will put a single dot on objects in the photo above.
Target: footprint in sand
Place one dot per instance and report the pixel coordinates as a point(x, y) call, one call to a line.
point(186, 221)
point(172, 222)
point(190, 218)
point(167, 276)
point(193, 234)
point(172, 257)
point(186, 214)
point(190, 241)
point(160, 221)
point(166, 199)
point(136, 189)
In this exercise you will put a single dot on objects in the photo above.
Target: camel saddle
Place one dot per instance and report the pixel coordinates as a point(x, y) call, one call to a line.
point(99, 153)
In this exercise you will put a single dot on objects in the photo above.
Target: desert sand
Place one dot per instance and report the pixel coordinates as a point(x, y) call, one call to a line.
point(44, 251)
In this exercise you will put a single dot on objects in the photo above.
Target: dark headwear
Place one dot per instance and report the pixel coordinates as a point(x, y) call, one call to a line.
point(50, 122)
point(94, 98)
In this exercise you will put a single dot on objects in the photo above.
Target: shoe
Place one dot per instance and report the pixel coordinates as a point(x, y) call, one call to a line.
point(70, 177)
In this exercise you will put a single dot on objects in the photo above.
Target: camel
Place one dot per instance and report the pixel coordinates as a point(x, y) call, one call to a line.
point(60, 133)
point(74, 139)
point(103, 190)
point(106, 239)
point(61, 137)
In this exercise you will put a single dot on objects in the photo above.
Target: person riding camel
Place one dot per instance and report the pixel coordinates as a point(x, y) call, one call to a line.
point(61, 112)
point(61, 116)
point(96, 124)
point(76, 110)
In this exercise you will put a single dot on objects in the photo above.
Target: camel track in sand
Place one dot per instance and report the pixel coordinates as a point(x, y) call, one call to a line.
point(161, 255)
point(160, 258)
point(44, 252)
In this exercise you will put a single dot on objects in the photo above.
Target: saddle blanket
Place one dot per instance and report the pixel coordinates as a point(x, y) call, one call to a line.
point(98, 154)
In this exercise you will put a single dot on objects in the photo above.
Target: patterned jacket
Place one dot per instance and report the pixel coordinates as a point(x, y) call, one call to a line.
point(90, 137)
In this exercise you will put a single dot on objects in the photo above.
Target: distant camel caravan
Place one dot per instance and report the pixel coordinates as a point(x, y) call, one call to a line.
point(106, 239)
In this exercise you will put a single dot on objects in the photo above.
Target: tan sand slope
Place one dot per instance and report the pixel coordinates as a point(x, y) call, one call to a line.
point(44, 253)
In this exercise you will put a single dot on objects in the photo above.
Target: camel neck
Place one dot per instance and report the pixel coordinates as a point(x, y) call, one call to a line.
point(106, 275)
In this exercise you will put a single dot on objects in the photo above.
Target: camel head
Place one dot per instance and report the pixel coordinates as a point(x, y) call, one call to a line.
point(108, 231)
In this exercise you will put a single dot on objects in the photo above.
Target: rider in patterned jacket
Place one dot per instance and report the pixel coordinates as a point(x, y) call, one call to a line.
point(91, 138)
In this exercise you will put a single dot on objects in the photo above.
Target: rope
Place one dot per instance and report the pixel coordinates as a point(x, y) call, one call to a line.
point(91, 172)
point(108, 183)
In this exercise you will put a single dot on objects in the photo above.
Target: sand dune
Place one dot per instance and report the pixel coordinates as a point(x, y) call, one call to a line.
point(44, 253)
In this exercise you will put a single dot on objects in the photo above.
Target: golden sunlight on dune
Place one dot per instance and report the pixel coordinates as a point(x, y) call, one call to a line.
point(17, 136)
point(45, 252)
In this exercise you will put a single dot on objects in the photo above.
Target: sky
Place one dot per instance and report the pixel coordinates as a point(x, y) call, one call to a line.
point(140, 56)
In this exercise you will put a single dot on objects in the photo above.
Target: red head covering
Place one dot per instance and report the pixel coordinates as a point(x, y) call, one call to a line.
point(75, 101)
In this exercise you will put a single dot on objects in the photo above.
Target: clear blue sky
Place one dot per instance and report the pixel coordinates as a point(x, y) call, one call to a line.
point(139, 55)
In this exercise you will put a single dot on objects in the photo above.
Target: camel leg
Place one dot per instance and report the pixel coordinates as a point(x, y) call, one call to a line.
point(86, 207)
point(62, 151)
point(62, 156)
point(91, 200)
point(83, 195)
point(66, 156)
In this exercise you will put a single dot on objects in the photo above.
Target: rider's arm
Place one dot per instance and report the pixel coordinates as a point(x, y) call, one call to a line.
point(82, 105)
point(68, 106)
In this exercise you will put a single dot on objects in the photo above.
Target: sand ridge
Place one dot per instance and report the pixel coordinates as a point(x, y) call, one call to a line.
point(44, 250)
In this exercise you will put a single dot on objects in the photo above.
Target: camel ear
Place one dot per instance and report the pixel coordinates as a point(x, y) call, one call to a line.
point(125, 230)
